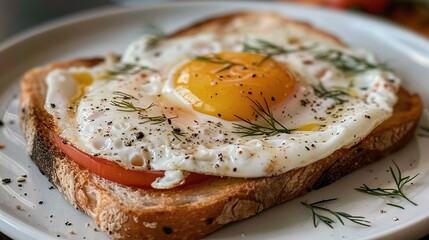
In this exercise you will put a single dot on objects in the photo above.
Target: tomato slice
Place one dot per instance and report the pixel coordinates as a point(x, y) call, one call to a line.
point(116, 173)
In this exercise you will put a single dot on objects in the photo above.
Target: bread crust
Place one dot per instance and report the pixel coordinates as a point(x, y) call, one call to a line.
point(194, 211)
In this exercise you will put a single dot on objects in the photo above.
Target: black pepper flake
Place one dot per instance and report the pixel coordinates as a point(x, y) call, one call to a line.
point(367, 116)
point(139, 135)
point(51, 187)
point(219, 115)
point(253, 75)
point(40, 202)
point(1, 123)
point(273, 99)
point(234, 169)
point(6, 180)
point(167, 230)
point(308, 149)
point(53, 105)
point(68, 223)
point(58, 235)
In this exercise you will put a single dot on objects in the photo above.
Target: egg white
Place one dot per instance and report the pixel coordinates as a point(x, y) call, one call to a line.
point(209, 144)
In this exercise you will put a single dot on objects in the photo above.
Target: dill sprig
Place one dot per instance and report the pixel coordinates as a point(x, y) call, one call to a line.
point(395, 205)
point(391, 192)
point(348, 64)
point(123, 95)
point(122, 69)
point(156, 119)
point(177, 133)
point(322, 92)
point(254, 129)
point(127, 106)
point(155, 36)
point(216, 59)
point(270, 49)
point(317, 217)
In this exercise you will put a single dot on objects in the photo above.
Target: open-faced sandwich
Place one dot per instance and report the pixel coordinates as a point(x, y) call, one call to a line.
point(187, 132)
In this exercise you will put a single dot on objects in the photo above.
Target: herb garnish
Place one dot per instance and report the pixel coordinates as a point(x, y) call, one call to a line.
point(127, 106)
point(122, 69)
point(156, 119)
point(339, 215)
point(177, 133)
point(348, 64)
point(269, 49)
point(124, 96)
point(391, 192)
point(254, 129)
point(155, 36)
point(216, 59)
point(322, 92)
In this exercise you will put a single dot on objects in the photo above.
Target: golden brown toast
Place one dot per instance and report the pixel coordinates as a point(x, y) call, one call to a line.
point(193, 211)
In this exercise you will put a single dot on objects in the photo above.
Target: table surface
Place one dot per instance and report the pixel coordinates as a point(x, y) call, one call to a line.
point(19, 15)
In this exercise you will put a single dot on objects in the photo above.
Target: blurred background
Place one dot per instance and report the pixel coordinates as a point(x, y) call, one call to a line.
point(17, 16)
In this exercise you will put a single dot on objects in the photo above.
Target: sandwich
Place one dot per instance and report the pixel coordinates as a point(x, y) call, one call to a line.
point(187, 132)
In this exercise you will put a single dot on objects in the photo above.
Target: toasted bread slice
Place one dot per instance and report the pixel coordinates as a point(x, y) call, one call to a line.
point(193, 211)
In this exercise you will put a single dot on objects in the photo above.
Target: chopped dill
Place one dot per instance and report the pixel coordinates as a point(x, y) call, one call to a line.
point(318, 217)
point(122, 69)
point(156, 119)
point(400, 182)
point(177, 133)
point(216, 59)
point(337, 95)
point(272, 126)
point(269, 49)
point(155, 36)
point(348, 64)
point(127, 106)
point(123, 95)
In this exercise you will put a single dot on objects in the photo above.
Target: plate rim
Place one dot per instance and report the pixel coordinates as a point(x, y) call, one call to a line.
point(9, 223)
point(86, 15)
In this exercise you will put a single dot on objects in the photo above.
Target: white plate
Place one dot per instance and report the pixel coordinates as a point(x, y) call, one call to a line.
point(99, 32)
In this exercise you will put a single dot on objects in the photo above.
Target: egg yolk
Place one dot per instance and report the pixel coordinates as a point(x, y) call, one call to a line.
point(222, 84)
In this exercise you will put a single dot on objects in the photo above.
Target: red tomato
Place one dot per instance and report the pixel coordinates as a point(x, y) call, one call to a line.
point(114, 172)
point(341, 4)
point(374, 6)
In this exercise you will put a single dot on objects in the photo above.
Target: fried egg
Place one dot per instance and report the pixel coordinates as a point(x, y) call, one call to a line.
point(247, 104)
